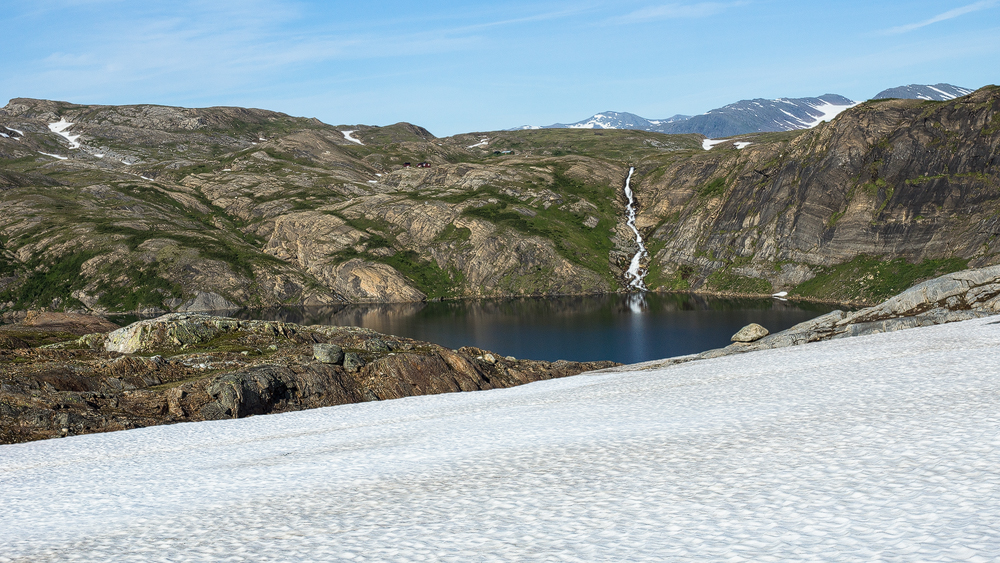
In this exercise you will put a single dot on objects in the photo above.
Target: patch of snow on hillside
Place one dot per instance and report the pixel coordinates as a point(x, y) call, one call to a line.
point(742, 144)
point(707, 144)
point(944, 95)
point(54, 155)
point(4, 135)
point(60, 127)
point(347, 135)
point(828, 111)
point(881, 447)
point(18, 131)
point(481, 143)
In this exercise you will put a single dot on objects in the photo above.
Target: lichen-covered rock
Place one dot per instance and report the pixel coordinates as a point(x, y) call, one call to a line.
point(353, 362)
point(328, 353)
point(178, 330)
point(750, 333)
point(167, 331)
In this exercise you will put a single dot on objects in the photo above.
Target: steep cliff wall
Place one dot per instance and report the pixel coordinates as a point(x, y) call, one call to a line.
point(892, 179)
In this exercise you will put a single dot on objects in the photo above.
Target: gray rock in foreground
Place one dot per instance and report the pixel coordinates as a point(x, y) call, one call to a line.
point(328, 353)
point(750, 333)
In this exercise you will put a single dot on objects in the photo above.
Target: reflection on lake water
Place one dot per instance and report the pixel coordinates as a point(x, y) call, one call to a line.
point(624, 328)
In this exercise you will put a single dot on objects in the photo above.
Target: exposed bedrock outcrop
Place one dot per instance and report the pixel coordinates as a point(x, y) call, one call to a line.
point(954, 297)
point(190, 367)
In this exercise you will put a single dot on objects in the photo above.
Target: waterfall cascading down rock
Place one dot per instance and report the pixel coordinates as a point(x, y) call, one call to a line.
point(635, 272)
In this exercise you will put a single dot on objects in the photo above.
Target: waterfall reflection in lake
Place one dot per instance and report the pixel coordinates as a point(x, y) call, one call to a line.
point(624, 328)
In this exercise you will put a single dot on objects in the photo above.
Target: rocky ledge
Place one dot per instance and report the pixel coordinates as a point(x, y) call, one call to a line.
point(969, 294)
point(191, 367)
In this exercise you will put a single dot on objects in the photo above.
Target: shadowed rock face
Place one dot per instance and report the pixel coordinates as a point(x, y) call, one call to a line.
point(186, 367)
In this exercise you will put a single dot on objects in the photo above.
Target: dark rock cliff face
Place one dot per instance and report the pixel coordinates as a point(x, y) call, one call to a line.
point(894, 179)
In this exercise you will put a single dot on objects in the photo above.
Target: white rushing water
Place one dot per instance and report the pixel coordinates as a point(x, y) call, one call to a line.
point(635, 271)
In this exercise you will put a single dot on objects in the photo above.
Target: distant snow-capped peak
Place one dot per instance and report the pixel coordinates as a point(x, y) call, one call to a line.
point(937, 92)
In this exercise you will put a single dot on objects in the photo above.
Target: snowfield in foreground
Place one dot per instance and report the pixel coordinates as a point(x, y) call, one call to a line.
point(883, 447)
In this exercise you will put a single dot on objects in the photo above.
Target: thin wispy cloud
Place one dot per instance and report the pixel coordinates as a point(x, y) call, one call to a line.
point(547, 16)
point(677, 11)
point(950, 14)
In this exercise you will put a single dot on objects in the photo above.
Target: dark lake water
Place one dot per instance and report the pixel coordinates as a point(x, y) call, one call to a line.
point(622, 328)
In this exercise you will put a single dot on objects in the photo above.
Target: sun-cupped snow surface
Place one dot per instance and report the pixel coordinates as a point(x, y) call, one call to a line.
point(347, 135)
point(875, 448)
point(60, 127)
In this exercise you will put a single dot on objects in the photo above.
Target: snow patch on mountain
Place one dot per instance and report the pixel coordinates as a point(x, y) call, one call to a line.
point(827, 112)
point(610, 120)
point(347, 135)
point(60, 127)
point(937, 92)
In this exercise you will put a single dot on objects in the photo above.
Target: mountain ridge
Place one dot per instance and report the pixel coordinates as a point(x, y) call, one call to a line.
point(756, 115)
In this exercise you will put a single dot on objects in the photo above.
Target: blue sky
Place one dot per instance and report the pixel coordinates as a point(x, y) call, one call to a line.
point(456, 67)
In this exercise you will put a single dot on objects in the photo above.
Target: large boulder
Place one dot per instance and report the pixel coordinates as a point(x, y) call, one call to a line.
point(328, 353)
point(168, 331)
point(750, 333)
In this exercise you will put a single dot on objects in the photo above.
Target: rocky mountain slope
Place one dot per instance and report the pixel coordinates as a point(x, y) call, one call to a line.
point(753, 116)
point(890, 192)
point(936, 92)
point(154, 208)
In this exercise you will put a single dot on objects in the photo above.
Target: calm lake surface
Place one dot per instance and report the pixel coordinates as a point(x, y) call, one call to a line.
point(622, 328)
